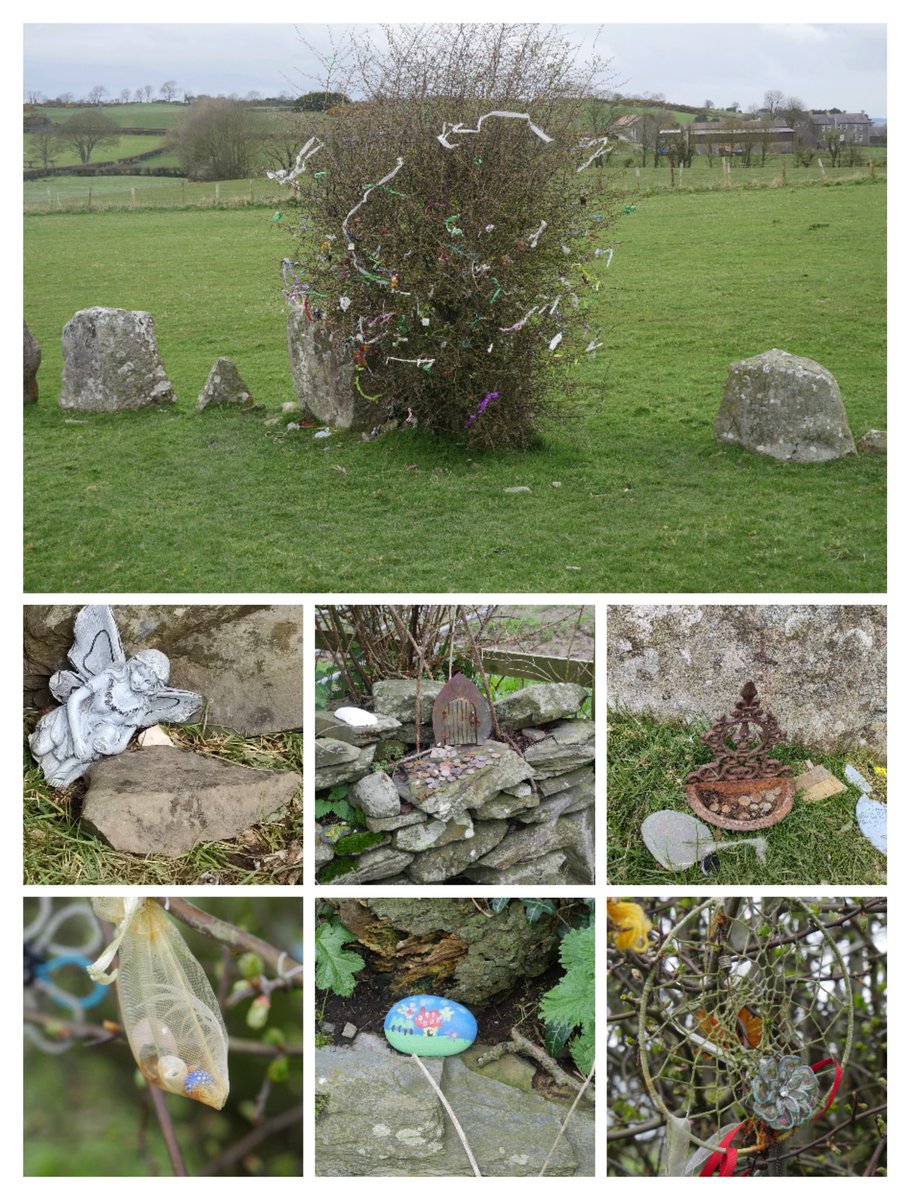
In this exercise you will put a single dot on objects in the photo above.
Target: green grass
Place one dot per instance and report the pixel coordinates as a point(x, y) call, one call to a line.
point(817, 843)
point(178, 501)
point(125, 146)
point(156, 115)
point(57, 850)
point(70, 193)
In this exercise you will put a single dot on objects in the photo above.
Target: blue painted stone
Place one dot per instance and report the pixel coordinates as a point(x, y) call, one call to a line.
point(430, 1026)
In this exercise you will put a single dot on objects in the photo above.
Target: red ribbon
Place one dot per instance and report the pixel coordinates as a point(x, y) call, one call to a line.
point(723, 1161)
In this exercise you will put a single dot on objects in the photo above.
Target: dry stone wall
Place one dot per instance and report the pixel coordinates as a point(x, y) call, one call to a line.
point(498, 813)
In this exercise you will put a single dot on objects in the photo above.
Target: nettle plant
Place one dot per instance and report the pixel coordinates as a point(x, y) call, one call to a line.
point(447, 240)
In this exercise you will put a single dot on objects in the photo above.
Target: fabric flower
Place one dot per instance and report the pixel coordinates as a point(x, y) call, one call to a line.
point(785, 1092)
point(632, 925)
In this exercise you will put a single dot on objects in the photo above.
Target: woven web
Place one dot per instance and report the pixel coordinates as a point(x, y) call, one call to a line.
point(735, 982)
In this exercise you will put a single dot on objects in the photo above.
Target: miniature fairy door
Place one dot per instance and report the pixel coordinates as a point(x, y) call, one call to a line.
point(461, 716)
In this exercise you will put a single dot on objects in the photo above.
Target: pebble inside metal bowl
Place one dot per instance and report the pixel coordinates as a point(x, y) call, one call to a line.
point(742, 804)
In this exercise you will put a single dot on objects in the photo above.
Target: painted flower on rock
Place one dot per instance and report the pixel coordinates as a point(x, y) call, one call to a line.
point(785, 1092)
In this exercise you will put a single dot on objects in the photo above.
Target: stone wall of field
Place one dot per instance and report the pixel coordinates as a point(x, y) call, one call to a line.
point(514, 811)
point(821, 668)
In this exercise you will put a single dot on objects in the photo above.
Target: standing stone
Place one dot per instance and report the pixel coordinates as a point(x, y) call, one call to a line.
point(111, 362)
point(323, 380)
point(31, 361)
point(873, 441)
point(784, 406)
point(224, 387)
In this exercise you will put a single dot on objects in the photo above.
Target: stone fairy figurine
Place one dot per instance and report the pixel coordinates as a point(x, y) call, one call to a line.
point(105, 699)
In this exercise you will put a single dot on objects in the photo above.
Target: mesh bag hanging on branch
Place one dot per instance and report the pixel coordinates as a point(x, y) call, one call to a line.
point(743, 1014)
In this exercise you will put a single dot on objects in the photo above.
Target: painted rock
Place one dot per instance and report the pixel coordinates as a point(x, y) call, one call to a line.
point(430, 1026)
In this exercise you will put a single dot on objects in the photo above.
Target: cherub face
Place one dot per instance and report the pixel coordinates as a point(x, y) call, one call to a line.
point(142, 678)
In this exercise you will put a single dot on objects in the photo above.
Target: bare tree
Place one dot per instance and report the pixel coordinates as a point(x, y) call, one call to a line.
point(168, 90)
point(34, 97)
point(97, 94)
point(214, 140)
point(282, 138)
point(83, 131)
point(41, 144)
point(65, 98)
point(773, 101)
point(145, 92)
point(125, 95)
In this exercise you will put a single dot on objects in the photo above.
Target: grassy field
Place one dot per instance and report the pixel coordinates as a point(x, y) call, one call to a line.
point(631, 495)
point(156, 115)
point(816, 843)
point(70, 193)
point(125, 146)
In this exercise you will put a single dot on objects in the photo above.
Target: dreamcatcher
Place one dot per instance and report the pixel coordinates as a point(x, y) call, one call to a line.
point(744, 1026)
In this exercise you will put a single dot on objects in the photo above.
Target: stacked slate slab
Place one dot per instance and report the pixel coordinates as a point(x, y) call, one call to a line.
point(518, 816)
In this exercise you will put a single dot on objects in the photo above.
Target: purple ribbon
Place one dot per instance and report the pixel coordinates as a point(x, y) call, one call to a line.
point(480, 407)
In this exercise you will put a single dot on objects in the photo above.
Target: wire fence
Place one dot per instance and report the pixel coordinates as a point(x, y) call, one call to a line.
point(105, 193)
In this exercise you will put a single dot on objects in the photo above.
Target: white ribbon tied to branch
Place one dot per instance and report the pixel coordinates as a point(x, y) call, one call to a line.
point(305, 152)
point(448, 130)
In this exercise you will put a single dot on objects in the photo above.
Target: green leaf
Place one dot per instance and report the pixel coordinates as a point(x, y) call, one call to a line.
point(498, 903)
point(556, 1034)
point(572, 999)
point(534, 909)
point(258, 1012)
point(582, 1049)
point(335, 966)
point(278, 1069)
point(250, 965)
point(340, 808)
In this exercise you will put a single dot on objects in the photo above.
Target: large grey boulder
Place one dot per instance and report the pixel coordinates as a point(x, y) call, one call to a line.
point(166, 801)
point(785, 406)
point(821, 668)
point(245, 659)
point(538, 703)
point(31, 361)
point(224, 387)
point(324, 377)
point(111, 362)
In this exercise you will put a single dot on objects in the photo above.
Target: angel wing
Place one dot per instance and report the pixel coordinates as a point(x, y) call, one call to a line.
point(96, 646)
point(172, 704)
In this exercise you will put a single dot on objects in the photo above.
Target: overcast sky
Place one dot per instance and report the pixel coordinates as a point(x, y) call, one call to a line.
point(826, 66)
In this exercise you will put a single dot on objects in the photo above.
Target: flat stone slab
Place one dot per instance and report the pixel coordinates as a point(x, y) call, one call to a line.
point(398, 697)
point(435, 866)
point(539, 703)
point(340, 762)
point(547, 869)
point(328, 725)
point(478, 774)
point(785, 406)
point(567, 746)
point(166, 801)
